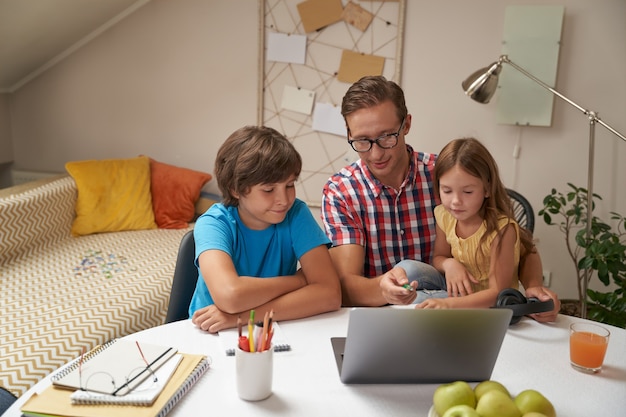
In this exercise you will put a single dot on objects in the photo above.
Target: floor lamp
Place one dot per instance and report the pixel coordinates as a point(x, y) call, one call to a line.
point(481, 86)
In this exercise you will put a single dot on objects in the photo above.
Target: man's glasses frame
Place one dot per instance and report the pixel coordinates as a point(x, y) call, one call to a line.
point(386, 141)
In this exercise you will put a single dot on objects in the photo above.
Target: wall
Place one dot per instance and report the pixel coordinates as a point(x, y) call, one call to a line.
point(6, 147)
point(175, 78)
point(168, 82)
point(447, 41)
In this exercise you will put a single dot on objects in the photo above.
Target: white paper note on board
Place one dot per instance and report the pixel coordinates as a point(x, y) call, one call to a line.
point(327, 118)
point(282, 47)
point(297, 99)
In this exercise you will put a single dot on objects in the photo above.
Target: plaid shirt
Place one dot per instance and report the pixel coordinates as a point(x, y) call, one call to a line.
point(390, 224)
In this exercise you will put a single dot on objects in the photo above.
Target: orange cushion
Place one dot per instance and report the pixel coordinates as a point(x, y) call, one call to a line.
point(175, 191)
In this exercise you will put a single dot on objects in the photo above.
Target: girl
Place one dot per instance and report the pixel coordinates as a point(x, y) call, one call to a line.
point(248, 247)
point(478, 243)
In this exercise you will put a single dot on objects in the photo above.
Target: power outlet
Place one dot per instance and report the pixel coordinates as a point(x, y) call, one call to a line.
point(547, 278)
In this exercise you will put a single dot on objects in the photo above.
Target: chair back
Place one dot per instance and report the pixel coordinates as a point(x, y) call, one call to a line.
point(6, 399)
point(523, 211)
point(184, 282)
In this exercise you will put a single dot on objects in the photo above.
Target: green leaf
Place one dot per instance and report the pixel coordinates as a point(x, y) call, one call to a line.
point(603, 250)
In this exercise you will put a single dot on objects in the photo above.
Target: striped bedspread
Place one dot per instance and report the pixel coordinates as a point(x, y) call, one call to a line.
point(61, 295)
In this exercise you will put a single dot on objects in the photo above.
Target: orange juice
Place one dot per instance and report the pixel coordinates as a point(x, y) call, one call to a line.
point(587, 349)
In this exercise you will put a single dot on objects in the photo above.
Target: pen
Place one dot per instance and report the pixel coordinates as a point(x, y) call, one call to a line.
point(408, 287)
point(129, 382)
point(141, 352)
point(258, 336)
point(265, 333)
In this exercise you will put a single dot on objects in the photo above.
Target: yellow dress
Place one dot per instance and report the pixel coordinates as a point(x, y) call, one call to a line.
point(466, 250)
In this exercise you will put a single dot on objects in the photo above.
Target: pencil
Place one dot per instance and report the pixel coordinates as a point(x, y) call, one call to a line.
point(251, 330)
point(266, 320)
point(270, 330)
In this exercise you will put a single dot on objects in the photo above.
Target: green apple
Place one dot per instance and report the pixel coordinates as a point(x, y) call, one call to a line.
point(461, 410)
point(534, 414)
point(486, 386)
point(531, 400)
point(454, 393)
point(496, 403)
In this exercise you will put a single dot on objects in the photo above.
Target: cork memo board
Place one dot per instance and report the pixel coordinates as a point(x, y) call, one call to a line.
point(310, 53)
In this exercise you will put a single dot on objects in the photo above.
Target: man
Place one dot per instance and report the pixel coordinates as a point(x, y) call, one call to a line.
point(378, 211)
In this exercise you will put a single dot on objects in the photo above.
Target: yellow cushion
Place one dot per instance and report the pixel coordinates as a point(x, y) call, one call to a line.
point(113, 195)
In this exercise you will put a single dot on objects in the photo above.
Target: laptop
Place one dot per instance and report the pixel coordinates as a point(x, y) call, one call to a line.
point(409, 346)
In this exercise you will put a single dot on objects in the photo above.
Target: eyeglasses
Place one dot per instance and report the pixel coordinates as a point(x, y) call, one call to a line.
point(118, 387)
point(386, 141)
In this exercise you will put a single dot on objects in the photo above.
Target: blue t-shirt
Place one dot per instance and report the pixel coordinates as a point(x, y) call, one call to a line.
point(271, 252)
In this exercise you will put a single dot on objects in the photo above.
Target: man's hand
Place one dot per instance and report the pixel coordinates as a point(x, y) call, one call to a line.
point(544, 294)
point(392, 285)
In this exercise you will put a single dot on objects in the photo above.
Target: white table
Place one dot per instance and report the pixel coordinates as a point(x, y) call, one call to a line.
point(306, 381)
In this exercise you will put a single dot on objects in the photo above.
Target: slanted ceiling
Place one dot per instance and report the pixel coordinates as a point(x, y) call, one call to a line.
point(36, 34)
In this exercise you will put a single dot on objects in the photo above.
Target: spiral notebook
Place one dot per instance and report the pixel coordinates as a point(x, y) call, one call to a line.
point(143, 395)
point(54, 401)
point(115, 368)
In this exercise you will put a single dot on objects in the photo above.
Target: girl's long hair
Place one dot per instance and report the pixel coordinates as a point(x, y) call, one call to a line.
point(474, 158)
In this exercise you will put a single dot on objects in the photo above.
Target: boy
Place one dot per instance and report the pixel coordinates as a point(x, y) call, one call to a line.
point(248, 247)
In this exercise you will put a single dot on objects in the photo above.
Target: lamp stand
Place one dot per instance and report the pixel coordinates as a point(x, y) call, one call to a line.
point(592, 145)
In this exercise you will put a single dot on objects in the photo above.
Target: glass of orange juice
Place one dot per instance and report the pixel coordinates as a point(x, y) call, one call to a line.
point(587, 346)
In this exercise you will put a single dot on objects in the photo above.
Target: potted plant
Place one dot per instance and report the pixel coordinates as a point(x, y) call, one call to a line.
point(603, 253)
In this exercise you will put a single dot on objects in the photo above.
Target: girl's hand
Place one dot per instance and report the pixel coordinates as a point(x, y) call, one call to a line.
point(434, 303)
point(458, 280)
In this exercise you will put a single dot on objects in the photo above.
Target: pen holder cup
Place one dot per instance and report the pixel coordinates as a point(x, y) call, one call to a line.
point(254, 374)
